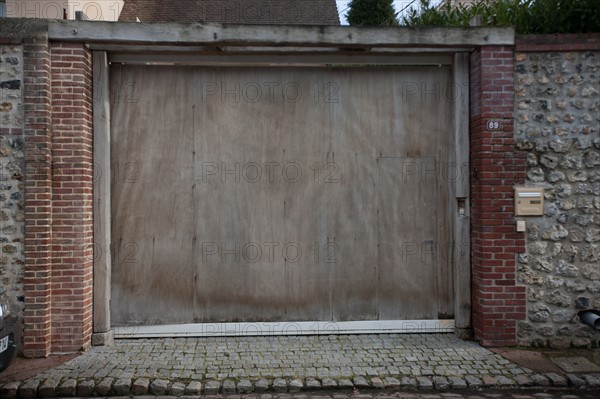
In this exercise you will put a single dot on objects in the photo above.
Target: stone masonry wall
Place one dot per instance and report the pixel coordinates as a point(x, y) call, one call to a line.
point(557, 112)
point(11, 175)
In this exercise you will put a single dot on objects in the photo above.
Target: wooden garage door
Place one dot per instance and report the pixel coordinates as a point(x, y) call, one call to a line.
point(279, 194)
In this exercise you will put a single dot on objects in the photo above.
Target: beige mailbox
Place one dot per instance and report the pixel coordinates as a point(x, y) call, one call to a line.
point(529, 201)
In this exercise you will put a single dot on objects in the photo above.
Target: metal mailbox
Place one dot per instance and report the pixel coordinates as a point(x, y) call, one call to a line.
point(529, 201)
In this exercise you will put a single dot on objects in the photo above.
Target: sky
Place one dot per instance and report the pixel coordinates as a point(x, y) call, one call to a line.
point(399, 5)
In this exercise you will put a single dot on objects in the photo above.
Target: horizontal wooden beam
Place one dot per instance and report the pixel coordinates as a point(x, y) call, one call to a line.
point(252, 50)
point(275, 35)
point(283, 59)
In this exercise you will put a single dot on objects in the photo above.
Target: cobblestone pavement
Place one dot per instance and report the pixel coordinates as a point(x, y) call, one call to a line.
point(229, 365)
point(520, 394)
point(561, 394)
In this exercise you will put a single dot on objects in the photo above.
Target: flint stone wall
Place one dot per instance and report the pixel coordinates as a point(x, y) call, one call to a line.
point(11, 175)
point(557, 122)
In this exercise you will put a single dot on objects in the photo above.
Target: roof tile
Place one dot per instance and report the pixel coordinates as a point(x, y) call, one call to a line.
point(268, 12)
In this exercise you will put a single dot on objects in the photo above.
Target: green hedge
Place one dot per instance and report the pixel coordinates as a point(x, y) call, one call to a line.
point(372, 12)
point(527, 16)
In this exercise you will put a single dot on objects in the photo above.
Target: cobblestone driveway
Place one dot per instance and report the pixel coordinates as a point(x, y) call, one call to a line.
point(230, 365)
point(289, 357)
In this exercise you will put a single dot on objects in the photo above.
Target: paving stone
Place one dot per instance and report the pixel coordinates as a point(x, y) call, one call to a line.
point(177, 389)
point(10, 390)
point(403, 395)
point(159, 387)
point(296, 385)
point(408, 382)
point(29, 389)
point(489, 381)
point(245, 386)
point(329, 383)
point(575, 381)
point(360, 382)
point(556, 380)
point(228, 387)
point(193, 388)
point(279, 385)
point(345, 384)
point(85, 388)
point(261, 385)
point(592, 381)
point(121, 386)
point(391, 383)
point(504, 381)
point(68, 388)
point(312, 384)
point(540, 380)
point(212, 387)
point(140, 386)
point(575, 364)
point(473, 382)
point(47, 389)
point(424, 383)
point(103, 387)
point(377, 383)
point(523, 380)
point(457, 383)
point(440, 383)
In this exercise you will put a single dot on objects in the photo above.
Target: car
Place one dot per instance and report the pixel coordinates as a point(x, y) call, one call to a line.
point(8, 332)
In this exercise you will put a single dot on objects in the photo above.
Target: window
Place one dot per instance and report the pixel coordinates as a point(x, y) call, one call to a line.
point(2, 8)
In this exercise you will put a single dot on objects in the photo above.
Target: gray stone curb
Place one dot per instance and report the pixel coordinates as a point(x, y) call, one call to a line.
point(69, 387)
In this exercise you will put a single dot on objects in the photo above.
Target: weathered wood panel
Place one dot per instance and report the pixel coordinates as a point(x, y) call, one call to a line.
point(153, 277)
point(102, 208)
point(276, 194)
point(218, 35)
point(461, 217)
point(407, 237)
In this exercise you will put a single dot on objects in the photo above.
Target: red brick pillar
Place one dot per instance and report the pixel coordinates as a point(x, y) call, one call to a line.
point(38, 197)
point(72, 223)
point(498, 303)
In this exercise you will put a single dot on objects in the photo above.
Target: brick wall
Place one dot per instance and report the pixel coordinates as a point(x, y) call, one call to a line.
point(38, 197)
point(497, 301)
point(57, 281)
point(72, 221)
